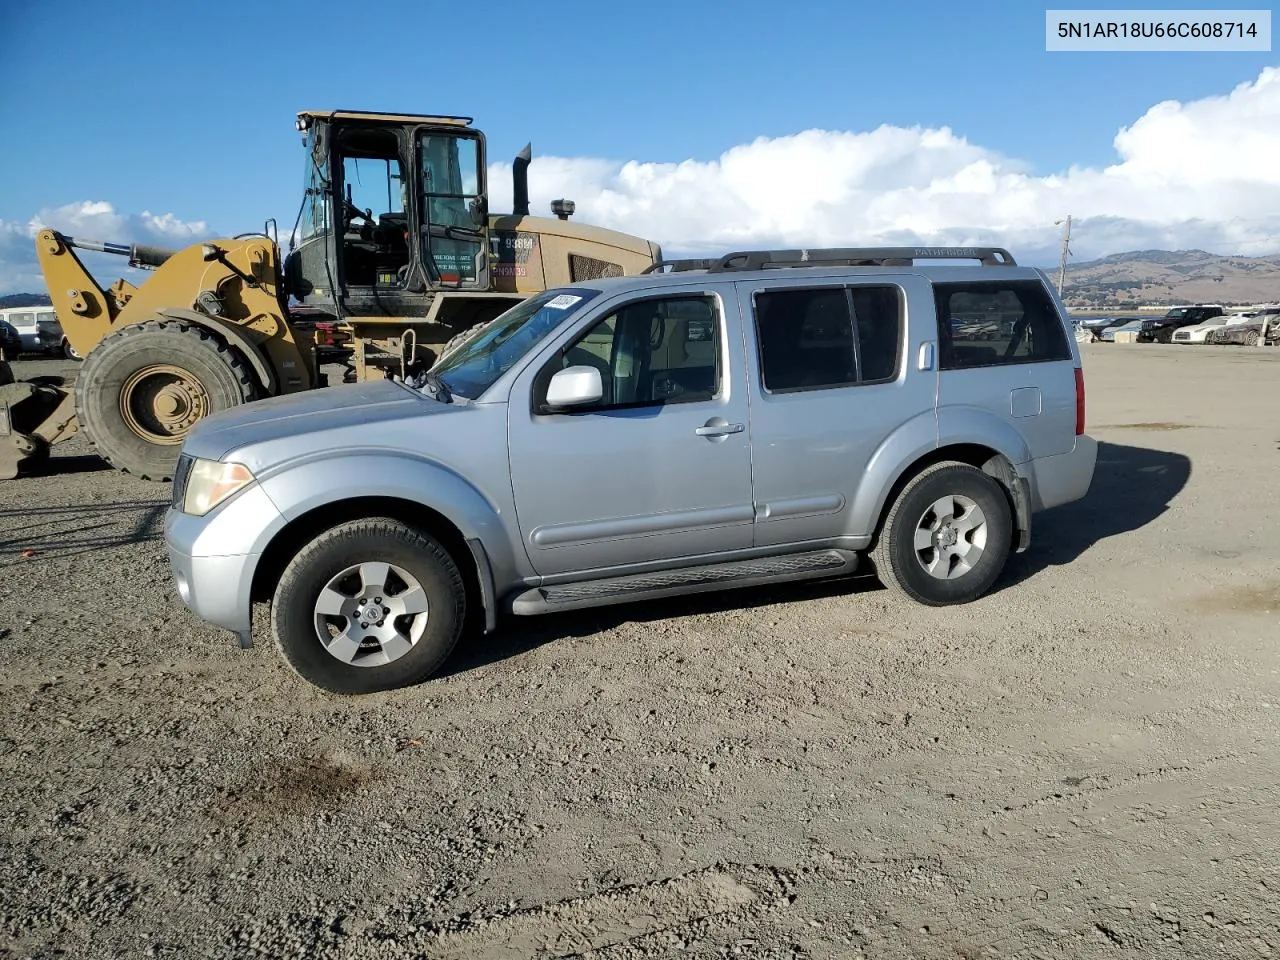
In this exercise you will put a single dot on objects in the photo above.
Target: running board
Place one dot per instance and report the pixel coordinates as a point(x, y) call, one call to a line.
point(672, 583)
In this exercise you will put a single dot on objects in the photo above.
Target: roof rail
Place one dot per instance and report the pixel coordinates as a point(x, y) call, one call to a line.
point(680, 266)
point(858, 257)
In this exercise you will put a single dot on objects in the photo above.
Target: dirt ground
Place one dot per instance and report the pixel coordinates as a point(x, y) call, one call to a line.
point(1082, 764)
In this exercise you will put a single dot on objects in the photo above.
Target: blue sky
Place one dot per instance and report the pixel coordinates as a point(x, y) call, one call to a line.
point(181, 109)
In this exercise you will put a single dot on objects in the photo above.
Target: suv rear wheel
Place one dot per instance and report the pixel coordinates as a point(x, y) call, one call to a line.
point(369, 605)
point(946, 537)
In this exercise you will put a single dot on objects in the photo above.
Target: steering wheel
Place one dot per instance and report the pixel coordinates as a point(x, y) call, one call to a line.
point(350, 213)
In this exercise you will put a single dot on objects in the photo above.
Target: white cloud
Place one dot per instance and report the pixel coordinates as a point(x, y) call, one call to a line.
point(1198, 174)
point(89, 220)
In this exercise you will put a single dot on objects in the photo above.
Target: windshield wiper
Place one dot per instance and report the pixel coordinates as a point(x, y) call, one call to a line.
point(431, 384)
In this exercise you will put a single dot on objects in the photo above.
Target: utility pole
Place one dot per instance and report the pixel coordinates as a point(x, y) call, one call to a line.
point(1066, 252)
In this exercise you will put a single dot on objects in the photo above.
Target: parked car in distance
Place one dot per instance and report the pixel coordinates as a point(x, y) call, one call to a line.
point(10, 341)
point(1137, 325)
point(1162, 329)
point(1249, 332)
point(588, 448)
point(39, 330)
point(1201, 332)
point(1096, 325)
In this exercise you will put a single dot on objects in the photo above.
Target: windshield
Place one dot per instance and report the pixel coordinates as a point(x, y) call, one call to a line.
point(476, 365)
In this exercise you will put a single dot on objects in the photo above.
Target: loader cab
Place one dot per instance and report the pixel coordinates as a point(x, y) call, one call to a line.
point(394, 210)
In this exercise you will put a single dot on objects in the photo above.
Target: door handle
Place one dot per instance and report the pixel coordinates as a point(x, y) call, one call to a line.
point(718, 427)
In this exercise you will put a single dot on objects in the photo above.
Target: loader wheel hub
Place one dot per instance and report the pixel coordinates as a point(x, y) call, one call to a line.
point(160, 403)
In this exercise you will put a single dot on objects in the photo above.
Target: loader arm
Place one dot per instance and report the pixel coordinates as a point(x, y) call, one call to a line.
point(228, 286)
point(85, 311)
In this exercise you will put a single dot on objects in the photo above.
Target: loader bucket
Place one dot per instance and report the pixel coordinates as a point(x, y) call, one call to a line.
point(33, 417)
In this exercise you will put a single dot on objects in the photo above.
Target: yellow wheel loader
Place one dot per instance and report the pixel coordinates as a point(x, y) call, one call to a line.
point(394, 243)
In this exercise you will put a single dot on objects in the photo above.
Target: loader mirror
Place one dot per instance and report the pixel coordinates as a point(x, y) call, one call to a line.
point(479, 209)
point(209, 251)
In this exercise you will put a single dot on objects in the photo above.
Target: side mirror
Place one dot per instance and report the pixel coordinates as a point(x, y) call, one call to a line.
point(479, 209)
point(575, 387)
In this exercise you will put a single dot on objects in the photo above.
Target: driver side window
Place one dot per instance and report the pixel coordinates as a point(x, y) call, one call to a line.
point(650, 353)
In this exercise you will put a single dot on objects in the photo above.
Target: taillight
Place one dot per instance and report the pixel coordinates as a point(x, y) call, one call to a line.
point(1079, 402)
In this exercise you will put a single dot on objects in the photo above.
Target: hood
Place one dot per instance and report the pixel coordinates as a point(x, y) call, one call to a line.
point(297, 415)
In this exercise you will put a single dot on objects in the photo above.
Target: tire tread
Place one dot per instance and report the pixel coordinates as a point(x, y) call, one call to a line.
point(882, 550)
point(245, 383)
point(381, 528)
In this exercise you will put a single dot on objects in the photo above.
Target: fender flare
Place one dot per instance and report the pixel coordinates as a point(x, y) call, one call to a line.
point(235, 337)
point(304, 487)
point(925, 435)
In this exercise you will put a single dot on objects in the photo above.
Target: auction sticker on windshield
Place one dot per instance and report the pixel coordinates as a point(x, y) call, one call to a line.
point(562, 302)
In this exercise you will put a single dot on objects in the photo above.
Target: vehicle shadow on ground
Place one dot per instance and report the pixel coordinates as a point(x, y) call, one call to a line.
point(517, 635)
point(59, 466)
point(1132, 486)
point(72, 531)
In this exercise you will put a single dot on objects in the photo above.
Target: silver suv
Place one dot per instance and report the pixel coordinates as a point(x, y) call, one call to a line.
point(768, 416)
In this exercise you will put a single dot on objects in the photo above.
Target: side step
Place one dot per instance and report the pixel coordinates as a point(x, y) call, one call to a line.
point(672, 583)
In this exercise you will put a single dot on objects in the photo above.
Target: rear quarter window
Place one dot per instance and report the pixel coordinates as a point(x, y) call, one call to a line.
point(992, 323)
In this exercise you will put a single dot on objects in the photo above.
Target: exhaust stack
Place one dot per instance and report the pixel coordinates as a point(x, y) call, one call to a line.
point(520, 184)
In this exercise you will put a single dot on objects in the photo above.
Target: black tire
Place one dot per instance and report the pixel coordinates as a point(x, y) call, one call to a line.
point(894, 554)
point(293, 616)
point(69, 352)
point(140, 350)
point(1251, 338)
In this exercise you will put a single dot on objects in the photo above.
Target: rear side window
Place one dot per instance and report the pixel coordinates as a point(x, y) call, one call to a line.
point(813, 338)
point(989, 323)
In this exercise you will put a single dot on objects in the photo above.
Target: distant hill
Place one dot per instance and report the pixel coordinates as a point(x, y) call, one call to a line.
point(1165, 277)
point(24, 300)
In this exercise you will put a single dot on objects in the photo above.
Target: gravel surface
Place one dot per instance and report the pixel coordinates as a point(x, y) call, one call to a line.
point(1081, 764)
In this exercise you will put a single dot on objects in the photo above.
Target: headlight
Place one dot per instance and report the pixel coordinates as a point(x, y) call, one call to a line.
point(212, 481)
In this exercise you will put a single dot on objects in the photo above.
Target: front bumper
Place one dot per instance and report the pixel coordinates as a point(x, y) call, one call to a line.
point(213, 558)
point(216, 589)
point(39, 342)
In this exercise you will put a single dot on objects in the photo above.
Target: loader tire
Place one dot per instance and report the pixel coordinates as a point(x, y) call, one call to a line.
point(457, 339)
point(144, 386)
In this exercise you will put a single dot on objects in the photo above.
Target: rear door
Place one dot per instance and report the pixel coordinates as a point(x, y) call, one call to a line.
point(1003, 349)
point(830, 381)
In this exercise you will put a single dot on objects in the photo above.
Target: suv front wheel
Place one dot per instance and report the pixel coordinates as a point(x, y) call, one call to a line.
point(369, 605)
point(946, 537)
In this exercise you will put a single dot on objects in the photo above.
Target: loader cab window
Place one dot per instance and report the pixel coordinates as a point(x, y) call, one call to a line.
point(372, 218)
point(454, 234)
point(314, 220)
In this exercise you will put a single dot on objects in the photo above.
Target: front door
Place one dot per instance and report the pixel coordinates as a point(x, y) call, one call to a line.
point(660, 468)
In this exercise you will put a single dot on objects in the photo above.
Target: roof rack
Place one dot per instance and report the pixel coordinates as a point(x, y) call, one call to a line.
point(681, 266)
point(857, 257)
